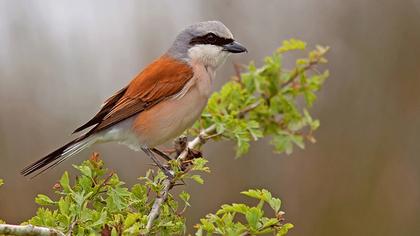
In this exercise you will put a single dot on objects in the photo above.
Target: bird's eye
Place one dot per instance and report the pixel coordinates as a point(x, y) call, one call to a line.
point(211, 38)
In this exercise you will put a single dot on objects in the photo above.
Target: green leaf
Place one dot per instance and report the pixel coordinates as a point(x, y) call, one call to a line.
point(85, 170)
point(199, 164)
point(79, 198)
point(252, 193)
point(44, 217)
point(282, 143)
point(284, 229)
point(292, 44)
point(114, 232)
point(254, 130)
point(117, 198)
point(131, 219)
point(139, 191)
point(275, 204)
point(310, 98)
point(253, 216)
point(101, 220)
point(185, 197)
point(197, 179)
point(44, 200)
point(270, 222)
point(234, 208)
point(85, 183)
point(298, 141)
point(133, 230)
point(64, 205)
point(65, 182)
point(1, 182)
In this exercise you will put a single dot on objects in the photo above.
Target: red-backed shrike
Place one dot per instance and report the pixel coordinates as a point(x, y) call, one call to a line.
point(162, 101)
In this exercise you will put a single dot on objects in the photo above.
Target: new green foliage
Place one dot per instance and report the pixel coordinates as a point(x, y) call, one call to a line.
point(99, 201)
point(264, 101)
point(241, 219)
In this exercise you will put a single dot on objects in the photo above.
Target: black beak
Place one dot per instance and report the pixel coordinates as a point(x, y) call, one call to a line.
point(234, 47)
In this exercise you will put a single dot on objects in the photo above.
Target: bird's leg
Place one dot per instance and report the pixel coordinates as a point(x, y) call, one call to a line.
point(152, 156)
point(161, 154)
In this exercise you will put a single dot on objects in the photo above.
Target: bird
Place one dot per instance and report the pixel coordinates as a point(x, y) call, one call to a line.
point(161, 102)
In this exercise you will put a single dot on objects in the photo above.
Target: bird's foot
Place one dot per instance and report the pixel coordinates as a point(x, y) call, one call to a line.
point(152, 156)
point(191, 155)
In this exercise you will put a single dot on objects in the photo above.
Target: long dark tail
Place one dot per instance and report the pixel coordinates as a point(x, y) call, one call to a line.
point(58, 156)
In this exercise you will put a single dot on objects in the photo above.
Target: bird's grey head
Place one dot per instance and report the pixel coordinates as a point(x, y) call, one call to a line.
point(208, 42)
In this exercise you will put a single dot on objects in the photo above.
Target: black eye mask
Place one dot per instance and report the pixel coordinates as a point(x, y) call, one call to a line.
point(210, 38)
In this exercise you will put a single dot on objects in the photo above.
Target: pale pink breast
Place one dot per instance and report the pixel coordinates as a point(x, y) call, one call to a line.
point(170, 118)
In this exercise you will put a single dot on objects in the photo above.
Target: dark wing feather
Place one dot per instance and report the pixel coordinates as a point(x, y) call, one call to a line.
point(106, 108)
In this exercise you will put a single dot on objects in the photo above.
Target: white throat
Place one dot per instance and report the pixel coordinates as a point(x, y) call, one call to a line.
point(208, 55)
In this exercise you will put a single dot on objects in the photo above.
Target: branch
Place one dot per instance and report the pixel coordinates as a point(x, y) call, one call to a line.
point(28, 230)
point(248, 109)
point(296, 73)
point(167, 183)
point(197, 141)
point(313, 62)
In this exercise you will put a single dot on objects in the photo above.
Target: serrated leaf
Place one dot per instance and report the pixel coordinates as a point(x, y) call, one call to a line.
point(197, 179)
point(199, 164)
point(282, 143)
point(85, 170)
point(114, 232)
point(275, 204)
point(131, 219)
point(185, 197)
point(44, 200)
point(65, 182)
point(298, 141)
point(253, 215)
point(64, 205)
point(139, 191)
point(237, 208)
point(252, 193)
point(291, 44)
point(270, 222)
point(101, 220)
point(284, 229)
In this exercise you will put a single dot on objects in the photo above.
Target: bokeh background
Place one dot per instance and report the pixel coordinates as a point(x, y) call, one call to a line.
point(60, 59)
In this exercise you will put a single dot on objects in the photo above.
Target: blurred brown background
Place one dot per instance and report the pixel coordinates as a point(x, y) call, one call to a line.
point(60, 59)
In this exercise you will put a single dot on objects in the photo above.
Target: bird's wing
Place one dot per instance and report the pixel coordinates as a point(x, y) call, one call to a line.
point(162, 79)
point(105, 109)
